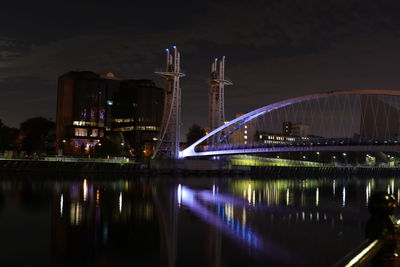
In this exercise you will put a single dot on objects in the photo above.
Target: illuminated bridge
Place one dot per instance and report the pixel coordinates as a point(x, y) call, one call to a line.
point(340, 121)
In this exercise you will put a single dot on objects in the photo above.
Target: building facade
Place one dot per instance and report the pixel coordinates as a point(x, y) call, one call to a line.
point(92, 107)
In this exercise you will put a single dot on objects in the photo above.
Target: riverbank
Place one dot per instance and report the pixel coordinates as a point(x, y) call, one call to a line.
point(187, 168)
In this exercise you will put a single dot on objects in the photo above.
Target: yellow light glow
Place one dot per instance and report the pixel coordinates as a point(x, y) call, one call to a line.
point(97, 197)
point(85, 189)
point(249, 194)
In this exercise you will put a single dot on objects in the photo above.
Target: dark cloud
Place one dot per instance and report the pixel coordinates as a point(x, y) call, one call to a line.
point(275, 49)
point(26, 97)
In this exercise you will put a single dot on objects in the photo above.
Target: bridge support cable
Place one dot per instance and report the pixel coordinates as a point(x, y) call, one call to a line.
point(169, 139)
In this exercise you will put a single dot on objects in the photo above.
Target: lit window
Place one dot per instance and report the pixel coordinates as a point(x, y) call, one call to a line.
point(80, 132)
point(245, 132)
point(95, 133)
point(245, 137)
point(245, 126)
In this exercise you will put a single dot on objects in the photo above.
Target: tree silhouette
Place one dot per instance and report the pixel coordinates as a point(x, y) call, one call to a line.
point(195, 133)
point(35, 133)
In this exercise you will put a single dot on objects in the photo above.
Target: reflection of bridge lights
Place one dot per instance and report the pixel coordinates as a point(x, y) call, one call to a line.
point(317, 197)
point(229, 211)
point(344, 197)
point(61, 204)
point(249, 194)
point(244, 217)
point(97, 197)
point(85, 189)
point(398, 195)
point(120, 202)
point(334, 187)
point(225, 220)
point(392, 184)
point(287, 197)
point(179, 194)
point(75, 213)
point(367, 193)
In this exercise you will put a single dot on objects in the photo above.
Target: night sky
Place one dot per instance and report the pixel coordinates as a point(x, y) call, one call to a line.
point(275, 49)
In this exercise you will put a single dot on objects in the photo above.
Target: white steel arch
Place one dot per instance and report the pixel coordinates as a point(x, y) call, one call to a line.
point(190, 151)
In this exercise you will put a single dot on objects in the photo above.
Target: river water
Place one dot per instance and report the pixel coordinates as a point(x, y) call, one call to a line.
point(178, 221)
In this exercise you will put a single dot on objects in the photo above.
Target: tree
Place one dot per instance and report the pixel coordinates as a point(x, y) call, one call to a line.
point(107, 148)
point(35, 133)
point(7, 137)
point(195, 133)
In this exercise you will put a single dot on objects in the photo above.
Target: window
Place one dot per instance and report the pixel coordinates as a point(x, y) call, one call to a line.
point(95, 133)
point(80, 132)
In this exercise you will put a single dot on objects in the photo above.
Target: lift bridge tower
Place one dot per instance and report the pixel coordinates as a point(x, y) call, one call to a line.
point(216, 110)
point(168, 142)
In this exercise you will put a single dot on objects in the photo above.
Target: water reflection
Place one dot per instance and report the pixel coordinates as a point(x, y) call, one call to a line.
point(183, 222)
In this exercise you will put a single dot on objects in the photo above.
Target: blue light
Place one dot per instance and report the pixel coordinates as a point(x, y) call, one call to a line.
point(174, 46)
point(166, 49)
point(215, 59)
point(109, 102)
point(249, 237)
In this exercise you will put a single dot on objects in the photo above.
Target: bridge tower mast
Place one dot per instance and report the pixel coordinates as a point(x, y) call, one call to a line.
point(216, 105)
point(170, 132)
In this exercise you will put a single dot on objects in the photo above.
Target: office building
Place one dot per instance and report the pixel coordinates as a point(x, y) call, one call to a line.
point(93, 106)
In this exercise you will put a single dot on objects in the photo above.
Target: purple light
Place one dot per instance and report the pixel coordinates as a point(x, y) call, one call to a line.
point(226, 224)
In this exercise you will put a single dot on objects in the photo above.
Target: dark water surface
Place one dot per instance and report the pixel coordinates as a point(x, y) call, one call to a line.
point(199, 221)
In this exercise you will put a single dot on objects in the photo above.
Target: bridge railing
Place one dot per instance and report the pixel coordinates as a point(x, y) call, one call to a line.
point(367, 251)
point(365, 141)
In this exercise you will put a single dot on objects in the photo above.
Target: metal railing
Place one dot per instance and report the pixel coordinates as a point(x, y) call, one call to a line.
point(365, 252)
